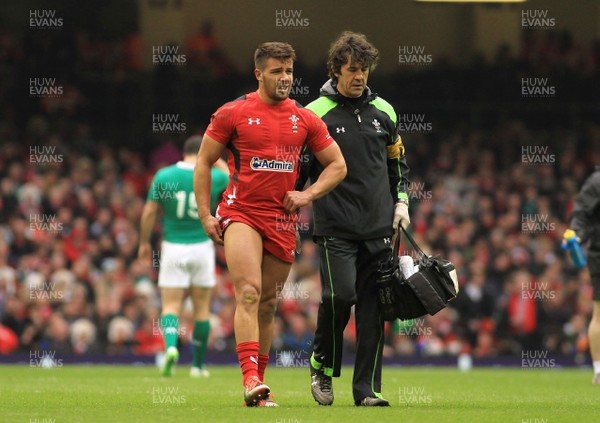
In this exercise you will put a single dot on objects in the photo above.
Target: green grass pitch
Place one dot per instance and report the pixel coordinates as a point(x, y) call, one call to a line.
point(137, 394)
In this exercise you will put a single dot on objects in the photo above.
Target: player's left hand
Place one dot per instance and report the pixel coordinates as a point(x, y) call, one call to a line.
point(293, 200)
point(401, 215)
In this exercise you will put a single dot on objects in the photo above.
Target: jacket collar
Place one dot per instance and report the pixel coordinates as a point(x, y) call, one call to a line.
point(329, 89)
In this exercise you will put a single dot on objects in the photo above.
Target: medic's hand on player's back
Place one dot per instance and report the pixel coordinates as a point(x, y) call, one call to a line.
point(212, 228)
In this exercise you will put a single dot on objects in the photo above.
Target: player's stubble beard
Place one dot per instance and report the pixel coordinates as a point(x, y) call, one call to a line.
point(282, 89)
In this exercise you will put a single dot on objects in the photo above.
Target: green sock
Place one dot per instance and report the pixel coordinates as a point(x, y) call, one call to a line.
point(170, 323)
point(200, 341)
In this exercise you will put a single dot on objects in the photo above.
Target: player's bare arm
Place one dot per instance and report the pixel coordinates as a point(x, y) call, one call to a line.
point(335, 171)
point(148, 219)
point(210, 151)
point(221, 165)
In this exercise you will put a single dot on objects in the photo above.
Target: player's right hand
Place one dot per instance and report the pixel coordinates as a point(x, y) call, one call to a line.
point(212, 228)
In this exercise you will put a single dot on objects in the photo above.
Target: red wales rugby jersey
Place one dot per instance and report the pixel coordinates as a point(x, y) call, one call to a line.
point(264, 143)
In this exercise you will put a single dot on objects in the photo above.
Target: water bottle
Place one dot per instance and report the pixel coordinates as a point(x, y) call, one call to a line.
point(570, 243)
point(407, 266)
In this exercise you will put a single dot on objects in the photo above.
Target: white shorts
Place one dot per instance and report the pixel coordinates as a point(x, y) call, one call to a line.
point(185, 265)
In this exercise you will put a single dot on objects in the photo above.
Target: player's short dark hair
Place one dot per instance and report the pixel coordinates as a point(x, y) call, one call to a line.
point(192, 145)
point(355, 45)
point(276, 50)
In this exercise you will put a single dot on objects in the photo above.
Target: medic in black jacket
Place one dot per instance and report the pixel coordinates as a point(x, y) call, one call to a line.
point(354, 223)
point(585, 221)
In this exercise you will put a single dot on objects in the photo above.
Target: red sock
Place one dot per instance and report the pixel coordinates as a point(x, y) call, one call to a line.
point(263, 360)
point(248, 357)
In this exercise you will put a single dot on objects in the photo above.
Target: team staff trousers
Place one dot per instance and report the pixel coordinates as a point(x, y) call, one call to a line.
point(594, 268)
point(348, 275)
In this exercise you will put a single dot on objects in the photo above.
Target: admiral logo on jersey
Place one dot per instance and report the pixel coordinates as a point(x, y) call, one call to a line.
point(271, 165)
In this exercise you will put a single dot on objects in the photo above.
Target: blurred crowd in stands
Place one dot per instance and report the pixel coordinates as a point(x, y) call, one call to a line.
point(490, 194)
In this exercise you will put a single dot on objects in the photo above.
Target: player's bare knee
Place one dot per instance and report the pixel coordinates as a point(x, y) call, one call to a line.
point(267, 308)
point(248, 295)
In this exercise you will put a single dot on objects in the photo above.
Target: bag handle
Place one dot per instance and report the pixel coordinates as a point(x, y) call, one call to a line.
point(410, 239)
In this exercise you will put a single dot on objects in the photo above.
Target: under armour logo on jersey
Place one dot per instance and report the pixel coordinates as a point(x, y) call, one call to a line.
point(387, 241)
point(251, 121)
point(340, 129)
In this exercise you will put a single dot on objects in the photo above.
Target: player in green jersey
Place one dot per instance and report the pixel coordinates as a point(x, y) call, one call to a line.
point(187, 256)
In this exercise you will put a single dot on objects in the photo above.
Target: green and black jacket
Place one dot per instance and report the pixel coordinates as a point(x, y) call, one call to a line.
point(362, 205)
point(585, 217)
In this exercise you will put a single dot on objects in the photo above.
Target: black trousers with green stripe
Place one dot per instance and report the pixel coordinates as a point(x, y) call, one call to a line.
point(348, 272)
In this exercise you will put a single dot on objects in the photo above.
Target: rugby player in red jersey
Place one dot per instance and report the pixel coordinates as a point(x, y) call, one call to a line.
point(264, 134)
